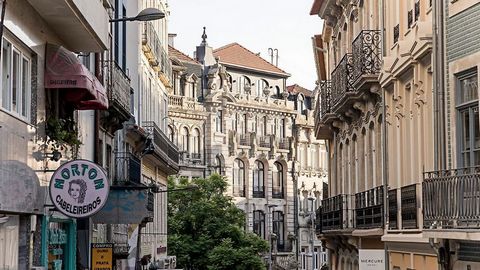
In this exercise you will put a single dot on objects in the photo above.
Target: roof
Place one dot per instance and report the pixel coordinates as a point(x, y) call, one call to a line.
point(181, 56)
point(317, 4)
point(237, 55)
point(317, 43)
point(295, 89)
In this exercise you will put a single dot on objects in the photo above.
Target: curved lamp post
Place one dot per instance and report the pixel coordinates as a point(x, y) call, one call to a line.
point(148, 14)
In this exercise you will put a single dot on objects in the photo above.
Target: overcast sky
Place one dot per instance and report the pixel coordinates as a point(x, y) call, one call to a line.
point(257, 25)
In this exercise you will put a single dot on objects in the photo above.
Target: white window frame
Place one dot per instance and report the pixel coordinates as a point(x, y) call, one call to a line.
point(23, 54)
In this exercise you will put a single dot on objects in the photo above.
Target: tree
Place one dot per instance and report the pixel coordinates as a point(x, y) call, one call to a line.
point(206, 229)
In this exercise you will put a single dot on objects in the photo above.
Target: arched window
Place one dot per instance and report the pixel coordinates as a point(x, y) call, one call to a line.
point(300, 104)
point(261, 84)
point(258, 180)
point(277, 185)
point(218, 165)
point(277, 92)
point(281, 128)
point(185, 144)
point(196, 141)
point(238, 178)
point(279, 229)
point(243, 84)
point(170, 133)
point(218, 121)
point(259, 223)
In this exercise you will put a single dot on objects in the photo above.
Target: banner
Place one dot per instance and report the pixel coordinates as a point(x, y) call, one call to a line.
point(371, 259)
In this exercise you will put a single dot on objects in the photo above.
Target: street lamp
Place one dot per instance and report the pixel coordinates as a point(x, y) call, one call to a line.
point(148, 14)
point(270, 206)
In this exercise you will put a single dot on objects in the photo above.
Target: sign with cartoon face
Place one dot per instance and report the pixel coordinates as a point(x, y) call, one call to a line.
point(79, 188)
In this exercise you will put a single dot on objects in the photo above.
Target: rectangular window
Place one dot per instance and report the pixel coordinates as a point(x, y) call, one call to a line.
point(468, 119)
point(16, 77)
point(218, 121)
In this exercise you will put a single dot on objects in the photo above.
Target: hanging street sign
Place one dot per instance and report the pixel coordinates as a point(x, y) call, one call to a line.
point(79, 188)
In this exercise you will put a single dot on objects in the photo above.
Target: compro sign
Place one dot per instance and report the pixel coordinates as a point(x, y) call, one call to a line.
point(102, 256)
point(371, 259)
point(79, 188)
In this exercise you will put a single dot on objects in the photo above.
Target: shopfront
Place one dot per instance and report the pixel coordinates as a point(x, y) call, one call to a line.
point(58, 243)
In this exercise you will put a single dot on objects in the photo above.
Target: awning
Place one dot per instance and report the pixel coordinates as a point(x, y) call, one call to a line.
point(64, 71)
point(20, 188)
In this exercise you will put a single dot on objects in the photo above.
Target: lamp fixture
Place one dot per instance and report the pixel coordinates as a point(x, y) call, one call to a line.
point(148, 14)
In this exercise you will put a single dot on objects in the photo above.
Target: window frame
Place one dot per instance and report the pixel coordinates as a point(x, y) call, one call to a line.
point(278, 181)
point(238, 178)
point(278, 228)
point(258, 175)
point(259, 223)
point(23, 95)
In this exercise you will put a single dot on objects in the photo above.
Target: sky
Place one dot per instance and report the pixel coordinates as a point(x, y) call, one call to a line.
point(255, 24)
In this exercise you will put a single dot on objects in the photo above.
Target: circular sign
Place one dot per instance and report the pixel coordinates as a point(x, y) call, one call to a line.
point(79, 188)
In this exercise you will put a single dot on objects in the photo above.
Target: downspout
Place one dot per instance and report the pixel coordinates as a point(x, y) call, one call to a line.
point(295, 193)
point(384, 139)
point(205, 154)
point(4, 6)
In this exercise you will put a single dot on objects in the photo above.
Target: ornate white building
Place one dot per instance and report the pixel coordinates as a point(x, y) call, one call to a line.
point(230, 112)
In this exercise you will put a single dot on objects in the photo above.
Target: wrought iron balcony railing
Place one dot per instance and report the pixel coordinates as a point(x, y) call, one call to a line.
point(335, 213)
point(367, 54)
point(127, 169)
point(284, 143)
point(277, 192)
point(451, 199)
point(119, 89)
point(245, 139)
point(258, 192)
point(265, 141)
point(410, 18)
point(369, 208)
point(161, 144)
point(325, 98)
point(342, 78)
point(417, 10)
point(396, 33)
point(392, 209)
point(409, 206)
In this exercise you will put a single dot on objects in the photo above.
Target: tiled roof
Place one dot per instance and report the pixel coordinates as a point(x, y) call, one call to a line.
point(181, 56)
point(236, 54)
point(295, 89)
point(317, 4)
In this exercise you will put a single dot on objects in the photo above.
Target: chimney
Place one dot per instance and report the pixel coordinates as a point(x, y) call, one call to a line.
point(171, 39)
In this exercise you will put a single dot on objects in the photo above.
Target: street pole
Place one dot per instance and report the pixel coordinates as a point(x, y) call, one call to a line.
point(312, 242)
point(270, 206)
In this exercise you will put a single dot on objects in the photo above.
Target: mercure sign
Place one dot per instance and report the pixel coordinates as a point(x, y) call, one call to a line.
point(79, 188)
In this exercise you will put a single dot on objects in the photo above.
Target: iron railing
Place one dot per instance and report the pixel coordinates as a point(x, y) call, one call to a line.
point(410, 18)
point(396, 33)
point(417, 10)
point(119, 88)
point(342, 78)
point(325, 98)
point(127, 168)
point(392, 209)
point(367, 54)
point(451, 199)
point(245, 139)
point(284, 143)
point(258, 191)
point(369, 208)
point(161, 142)
point(277, 192)
point(265, 141)
point(409, 207)
point(196, 156)
point(335, 213)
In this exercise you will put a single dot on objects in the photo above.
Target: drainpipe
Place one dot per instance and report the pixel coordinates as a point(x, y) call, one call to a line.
point(295, 193)
point(4, 5)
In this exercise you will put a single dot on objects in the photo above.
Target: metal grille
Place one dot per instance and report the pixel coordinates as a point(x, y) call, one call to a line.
point(392, 209)
point(369, 208)
point(342, 78)
point(367, 54)
point(409, 207)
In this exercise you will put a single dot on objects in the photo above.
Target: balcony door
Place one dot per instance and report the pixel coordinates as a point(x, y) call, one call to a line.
point(468, 124)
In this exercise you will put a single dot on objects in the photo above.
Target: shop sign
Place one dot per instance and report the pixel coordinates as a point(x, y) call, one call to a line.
point(79, 188)
point(371, 259)
point(102, 256)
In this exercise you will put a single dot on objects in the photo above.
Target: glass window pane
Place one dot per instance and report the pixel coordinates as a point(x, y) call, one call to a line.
point(476, 128)
point(25, 85)
point(466, 130)
point(6, 66)
point(469, 88)
point(15, 81)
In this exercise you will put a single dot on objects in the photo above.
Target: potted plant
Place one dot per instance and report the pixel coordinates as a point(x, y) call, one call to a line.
point(62, 134)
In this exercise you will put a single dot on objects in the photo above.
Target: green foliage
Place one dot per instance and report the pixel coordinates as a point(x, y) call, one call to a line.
point(62, 133)
point(206, 229)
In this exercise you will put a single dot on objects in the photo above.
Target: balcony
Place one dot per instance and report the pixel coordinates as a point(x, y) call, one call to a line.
point(244, 140)
point(190, 159)
point(342, 80)
point(258, 192)
point(367, 58)
point(369, 208)
point(156, 53)
point(185, 103)
point(161, 148)
point(118, 97)
point(81, 25)
point(408, 197)
point(284, 143)
point(265, 141)
point(127, 169)
point(335, 213)
point(323, 111)
point(392, 209)
point(451, 199)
